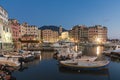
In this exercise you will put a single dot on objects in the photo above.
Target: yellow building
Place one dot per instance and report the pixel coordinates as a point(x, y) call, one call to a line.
point(65, 35)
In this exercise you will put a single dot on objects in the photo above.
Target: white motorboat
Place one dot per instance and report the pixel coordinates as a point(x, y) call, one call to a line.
point(111, 48)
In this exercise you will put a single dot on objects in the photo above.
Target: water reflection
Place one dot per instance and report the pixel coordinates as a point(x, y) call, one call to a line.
point(46, 55)
point(93, 50)
point(25, 66)
point(98, 50)
point(47, 66)
point(115, 60)
point(78, 48)
point(94, 75)
point(89, 50)
point(40, 57)
point(104, 72)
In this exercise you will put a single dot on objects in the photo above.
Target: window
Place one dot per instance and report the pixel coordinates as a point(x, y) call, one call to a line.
point(7, 30)
point(0, 36)
point(4, 28)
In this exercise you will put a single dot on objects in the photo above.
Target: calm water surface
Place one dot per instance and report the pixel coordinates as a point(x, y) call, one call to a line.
point(47, 68)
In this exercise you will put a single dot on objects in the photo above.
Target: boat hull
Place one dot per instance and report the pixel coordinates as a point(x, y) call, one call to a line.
point(75, 66)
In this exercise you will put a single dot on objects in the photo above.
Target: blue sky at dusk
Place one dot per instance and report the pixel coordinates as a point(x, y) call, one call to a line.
point(67, 13)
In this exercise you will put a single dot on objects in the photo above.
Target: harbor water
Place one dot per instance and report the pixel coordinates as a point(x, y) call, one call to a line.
point(47, 68)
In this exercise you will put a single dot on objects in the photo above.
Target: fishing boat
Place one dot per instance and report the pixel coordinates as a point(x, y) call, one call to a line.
point(84, 64)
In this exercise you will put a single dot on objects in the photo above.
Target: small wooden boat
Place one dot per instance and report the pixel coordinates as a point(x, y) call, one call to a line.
point(83, 64)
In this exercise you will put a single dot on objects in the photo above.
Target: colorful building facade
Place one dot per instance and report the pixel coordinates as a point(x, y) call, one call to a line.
point(29, 36)
point(49, 35)
point(16, 29)
point(97, 34)
point(94, 34)
point(78, 33)
point(16, 33)
point(5, 31)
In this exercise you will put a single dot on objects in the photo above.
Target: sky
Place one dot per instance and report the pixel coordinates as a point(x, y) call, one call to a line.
point(67, 13)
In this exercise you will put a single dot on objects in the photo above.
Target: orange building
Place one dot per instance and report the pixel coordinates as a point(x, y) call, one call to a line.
point(49, 35)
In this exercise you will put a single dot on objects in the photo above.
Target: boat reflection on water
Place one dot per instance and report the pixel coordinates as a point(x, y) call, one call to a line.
point(115, 60)
point(22, 68)
point(45, 55)
point(103, 72)
point(28, 64)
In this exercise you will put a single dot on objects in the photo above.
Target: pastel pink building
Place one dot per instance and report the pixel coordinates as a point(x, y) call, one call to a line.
point(16, 32)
